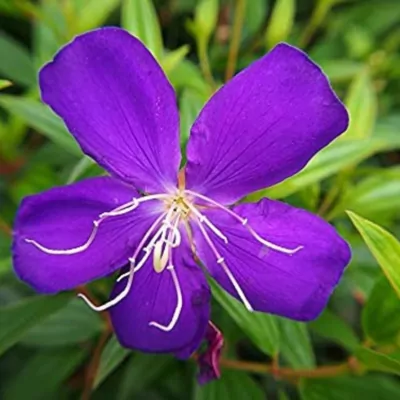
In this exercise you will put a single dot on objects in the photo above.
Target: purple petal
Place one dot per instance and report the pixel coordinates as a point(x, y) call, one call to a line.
point(62, 218)
point(263, 126)
point(119, 105)
point(153, 298)
point(208, 360)
point(296, 286)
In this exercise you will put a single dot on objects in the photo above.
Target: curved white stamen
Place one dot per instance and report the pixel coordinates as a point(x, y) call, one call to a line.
point(71, 251)
point(202, 218)
point(116, 299)
point(178, 308)
point(221, 261)
point(243, 221)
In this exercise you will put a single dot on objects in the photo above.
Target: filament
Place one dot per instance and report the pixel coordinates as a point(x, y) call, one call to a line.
point(221, 261)
point(179, 304)
point(244, 221)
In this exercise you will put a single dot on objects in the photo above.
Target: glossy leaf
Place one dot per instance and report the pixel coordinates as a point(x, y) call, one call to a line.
point(375, 361)
point(139, 18)
point(330, 326)
point(362, 106)
point(233, 385)
point(74, 323)
point(262, 329)
point(296, 345)
point(381, 314)
point(40, 117)
point(17, 319)
point(112, 356)
point(384, 247)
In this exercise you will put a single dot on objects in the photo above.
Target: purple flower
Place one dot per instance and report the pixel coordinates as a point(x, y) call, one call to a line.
point(257, 130)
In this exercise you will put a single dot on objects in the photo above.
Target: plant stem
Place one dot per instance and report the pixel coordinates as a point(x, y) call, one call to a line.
point(288, 373)
point(236, 35)
point(204, 63)
point(5, 228)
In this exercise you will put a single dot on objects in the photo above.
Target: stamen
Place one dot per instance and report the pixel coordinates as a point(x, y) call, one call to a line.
point(113, 301)
point(178, 308)
point(221, 261)
point(243, 221)
point(202, 218)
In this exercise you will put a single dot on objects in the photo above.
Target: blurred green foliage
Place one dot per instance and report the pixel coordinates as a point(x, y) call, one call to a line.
point(49, 345)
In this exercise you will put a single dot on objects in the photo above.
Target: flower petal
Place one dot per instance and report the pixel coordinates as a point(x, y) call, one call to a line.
point(296, 286)
point(62, 218)
point(263, 126)
point(119, 105)
point(153, 297)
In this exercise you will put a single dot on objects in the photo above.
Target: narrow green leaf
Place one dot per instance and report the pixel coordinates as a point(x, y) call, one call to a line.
point(381, 314)
point(142, 370)
point(254, 16)
point(112, 356)
point(384, 247)
point(281, 22)
point(350, 388)
point(340, 70)
point(190, 104)
point(262, 329)
point(17, 319)
point(40, 117)
point(335, 157)
point(296, 344)
point(362, 104)
point(90, 14)
point(376, 194)
point(5, 265)
point(16, 63)
point(74, 323)
point(173, 58)
point(4, 83)
point(233, 385)
point(139, 17)
point(375, 361)
point(43, 374)
point(187, 75)
point(332, 327)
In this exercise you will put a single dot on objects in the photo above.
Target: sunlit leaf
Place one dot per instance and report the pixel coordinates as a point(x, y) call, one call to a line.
point(384, 247)
point(262, 329)
point(281, 22)
point(4, 83)
point(375, 361)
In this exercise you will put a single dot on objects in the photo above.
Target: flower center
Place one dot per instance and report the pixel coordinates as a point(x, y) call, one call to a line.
point(164, 235)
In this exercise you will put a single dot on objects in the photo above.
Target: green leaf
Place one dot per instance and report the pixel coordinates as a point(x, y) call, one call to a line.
point(362, 104)
point(142, 370)
point(340, 70)
point(262, 329)
point(139, 17)
point(381, 314)
point(187, 75)
point(330, 326)
point(350, 388)
point(330, 160)
point(111, 357)
point(89, 14)
point(40, 117)
point(190, 104)
point(43, 374)
point(383, 246)
point(296, 344)
point(254, 16)
point(5, 266)
point(376, 194)
point(281, 22)
point(16, 63)
point(17, 319)
point(4, 84)
point(173, 58)
point(74, 323)
point(233, 385)
point(375, 361)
